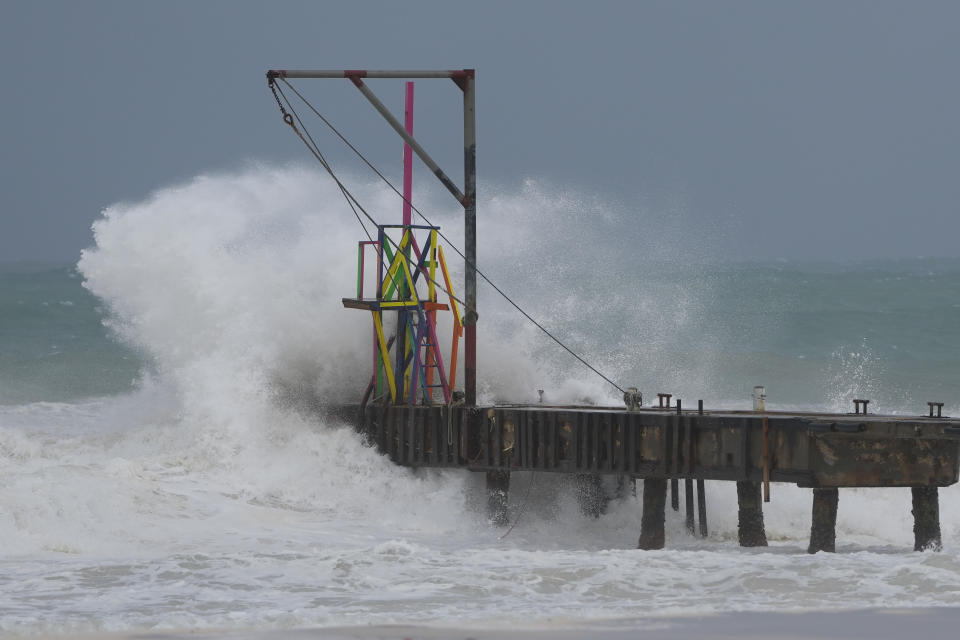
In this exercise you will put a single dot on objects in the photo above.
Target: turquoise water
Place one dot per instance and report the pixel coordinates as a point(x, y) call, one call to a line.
point(53, 344)
point(814, 334)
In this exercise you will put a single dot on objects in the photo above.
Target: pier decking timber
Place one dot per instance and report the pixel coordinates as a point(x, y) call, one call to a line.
point(815, 450)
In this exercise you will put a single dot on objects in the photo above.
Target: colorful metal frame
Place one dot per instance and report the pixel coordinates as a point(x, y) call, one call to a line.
point(406, 284)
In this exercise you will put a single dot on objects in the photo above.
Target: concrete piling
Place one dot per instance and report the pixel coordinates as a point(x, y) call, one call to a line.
point(823, 528)
point(750, 517)
point(926, 519)
point(498, 491)
point(688, 498)
point(811, 450)
point(654, 507)
point(702, 507)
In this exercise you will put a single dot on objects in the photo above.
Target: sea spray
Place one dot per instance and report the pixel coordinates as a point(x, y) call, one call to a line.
point(211, 497)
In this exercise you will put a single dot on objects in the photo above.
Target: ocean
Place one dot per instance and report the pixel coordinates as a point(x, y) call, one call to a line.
point(162, 467)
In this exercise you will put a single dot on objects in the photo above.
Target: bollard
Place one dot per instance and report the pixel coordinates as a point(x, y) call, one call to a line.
point(759, 398)
point(633, 399)
point(654, 505)
point(823, 526)
point(926, 519)
point(498, 490)
point(750, 528)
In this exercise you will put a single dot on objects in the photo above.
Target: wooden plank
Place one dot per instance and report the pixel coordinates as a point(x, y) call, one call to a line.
point(356, 303)
point(498, 439)
point(594, 430)
point(552, 441)
point(435, 435)
point(744, 447)
point(391, 435)
point(542, 428)
point(609, 428)
point(443, 449)
point(621, 445)
point(405, 431)
point(527, 439)
point(373, 304)
point(675, 423)
point(576, 446)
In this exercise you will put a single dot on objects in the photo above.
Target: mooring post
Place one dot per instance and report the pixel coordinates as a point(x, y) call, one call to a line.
point(654, 507)
point(498, 491)
point(750, 515)
point(823, 528)
point(926, 519)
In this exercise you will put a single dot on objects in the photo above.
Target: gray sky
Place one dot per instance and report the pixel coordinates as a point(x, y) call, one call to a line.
point(813, 130)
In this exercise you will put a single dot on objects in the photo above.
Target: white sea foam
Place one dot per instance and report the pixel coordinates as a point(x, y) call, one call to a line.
point(211, 498)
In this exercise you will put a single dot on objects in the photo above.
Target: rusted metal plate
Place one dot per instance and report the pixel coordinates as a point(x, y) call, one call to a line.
point(844, 461)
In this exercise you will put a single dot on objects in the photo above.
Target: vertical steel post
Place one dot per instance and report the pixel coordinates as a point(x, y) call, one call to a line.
point(407, 154)
point(402, 316)
point(470, 239)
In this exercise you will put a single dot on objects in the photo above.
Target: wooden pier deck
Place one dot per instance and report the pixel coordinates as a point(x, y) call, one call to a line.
point(821, 451)
point(807, 449)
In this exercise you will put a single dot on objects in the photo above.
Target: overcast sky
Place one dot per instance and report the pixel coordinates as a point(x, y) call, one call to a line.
point(814, 130)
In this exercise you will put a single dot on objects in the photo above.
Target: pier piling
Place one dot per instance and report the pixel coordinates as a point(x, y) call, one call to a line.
point(926, 519)
point(610, 447)
point(823, 528)
point(688, 497)
point(702, 507)
point(498, 491)
point(654, 507)
point(750, 516)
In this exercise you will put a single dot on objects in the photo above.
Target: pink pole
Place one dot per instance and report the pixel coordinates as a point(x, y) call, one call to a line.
point(408, 155)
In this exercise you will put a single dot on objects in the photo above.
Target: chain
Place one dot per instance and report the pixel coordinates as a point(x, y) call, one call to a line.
point(271, 82)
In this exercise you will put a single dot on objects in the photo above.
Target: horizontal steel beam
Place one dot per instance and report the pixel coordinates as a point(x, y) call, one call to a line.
point(364, 73)
point(409, 139)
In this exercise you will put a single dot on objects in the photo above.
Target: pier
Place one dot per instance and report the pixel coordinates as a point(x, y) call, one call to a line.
point(821, 451)
point(414, 413)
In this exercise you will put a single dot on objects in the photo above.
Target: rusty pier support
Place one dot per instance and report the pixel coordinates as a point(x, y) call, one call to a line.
point(498, 491)
point(702, 507)
point(750, 528)
point(688, 499)
point(654, 507)
point(926, 519)
point(823, 527)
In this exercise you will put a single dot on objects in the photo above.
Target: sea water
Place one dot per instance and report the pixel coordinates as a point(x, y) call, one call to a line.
point(162, 466)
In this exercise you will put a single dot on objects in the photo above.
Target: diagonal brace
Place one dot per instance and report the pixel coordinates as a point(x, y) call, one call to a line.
point(398, 127)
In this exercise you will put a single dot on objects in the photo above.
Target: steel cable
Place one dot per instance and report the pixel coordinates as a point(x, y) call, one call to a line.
point(440, 233)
